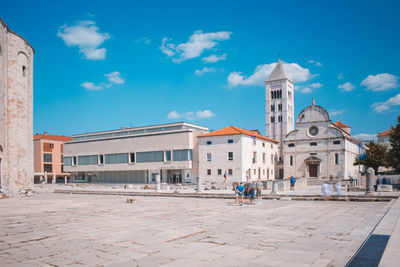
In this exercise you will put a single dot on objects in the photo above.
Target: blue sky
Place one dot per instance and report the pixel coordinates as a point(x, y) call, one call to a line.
point(100, 65)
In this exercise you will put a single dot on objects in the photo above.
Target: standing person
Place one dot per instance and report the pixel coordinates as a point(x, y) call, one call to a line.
point(259, 187)
point(225, 176)
point(235, 186)
point(292, 183)
point(240, 190)
point(252, 192)
point(338, 188)
point(325, 193)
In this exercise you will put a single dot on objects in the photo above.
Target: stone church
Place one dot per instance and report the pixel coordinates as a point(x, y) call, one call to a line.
point(16, 112)
point(317, 148)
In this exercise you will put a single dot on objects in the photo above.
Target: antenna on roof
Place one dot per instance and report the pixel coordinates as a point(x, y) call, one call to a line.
point(313, 101)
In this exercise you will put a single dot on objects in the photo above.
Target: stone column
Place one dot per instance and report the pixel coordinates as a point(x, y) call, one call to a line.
point(274, 191)
point(158, 187)
point(198, 184)
point(45, 177)
point(54, 178)
point(370, 181)
point(65, 180)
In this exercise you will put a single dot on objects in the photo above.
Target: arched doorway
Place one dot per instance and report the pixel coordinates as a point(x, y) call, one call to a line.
point(312, 166)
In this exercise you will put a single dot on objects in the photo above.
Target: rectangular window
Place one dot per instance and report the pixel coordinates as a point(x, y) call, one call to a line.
point(272, 107)
point(116, 158)
point(67, 161)
point(255, 171)
point(48, 147)
point(132, 157)
point(152, 156)
point(230, 172)
point(272, 119)
point(272, 159)
point(254, 157)
point(219, 172)
point(291, 160)
point(208, 157)
point(209, 143)
point(336, 158)
point(209, 172)
point(48, 167)
point(182, 154)
point(168, 155)
point(62, 168)
point(279, 118)
point(263, 157)
point(88, 160)
point(290, 145)
point(62, 148)
point(313, 144)
point(230, 141)
point(74, 161)
point(47, 157)
point(101, 160)
point(230, 155)
point(336, 142)
point(279, 107)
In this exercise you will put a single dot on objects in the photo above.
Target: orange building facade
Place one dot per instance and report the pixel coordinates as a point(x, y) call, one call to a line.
point(48, 158)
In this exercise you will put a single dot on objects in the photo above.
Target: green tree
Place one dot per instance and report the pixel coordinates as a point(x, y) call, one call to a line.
point(377, 156)
point(394, 153)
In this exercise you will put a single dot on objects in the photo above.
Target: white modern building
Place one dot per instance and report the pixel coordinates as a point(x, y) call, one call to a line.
point(319, 148)
point(135, 155)
point(242, 154)
point(279, 109)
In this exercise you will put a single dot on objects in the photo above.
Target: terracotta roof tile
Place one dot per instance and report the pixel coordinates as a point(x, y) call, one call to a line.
point(231, 130)
point(385, 133)
point(52, 137)
point(341, 124)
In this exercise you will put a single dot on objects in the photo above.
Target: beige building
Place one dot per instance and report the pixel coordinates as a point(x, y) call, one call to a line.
point(135, 155)
point(319, 148)
point(242, 154)
point(16, 94)
point(383, 138)
point(48, 157)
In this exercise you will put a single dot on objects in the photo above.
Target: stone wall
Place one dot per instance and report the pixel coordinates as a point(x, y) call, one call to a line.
point(17, 112)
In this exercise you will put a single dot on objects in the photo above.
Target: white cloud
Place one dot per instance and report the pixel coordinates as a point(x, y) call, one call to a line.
point(91, 86)
point(205, 70)
point(306, 90)
point(365, 137)
point(115, 77)
point(296, 72)
point(316, 63)
point(381, 82)
point(346, 87)
point(191, 115)
point(198, 42)
point(385, 106)
point(143, 39)
point(316, 85)
point(204, 114)
point(173, 115)
point(214, 58)
point(340, 76)
point(87, 37)
point(336, 112)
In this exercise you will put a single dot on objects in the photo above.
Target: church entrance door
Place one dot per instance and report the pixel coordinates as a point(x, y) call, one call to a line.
point(312, 170)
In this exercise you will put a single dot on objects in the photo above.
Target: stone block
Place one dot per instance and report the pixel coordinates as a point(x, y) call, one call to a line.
point(384, 188)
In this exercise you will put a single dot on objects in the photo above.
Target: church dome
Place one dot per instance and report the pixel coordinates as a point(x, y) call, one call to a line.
point(313, 113)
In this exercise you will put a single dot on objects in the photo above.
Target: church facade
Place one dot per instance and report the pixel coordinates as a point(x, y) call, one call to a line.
point(317, 148)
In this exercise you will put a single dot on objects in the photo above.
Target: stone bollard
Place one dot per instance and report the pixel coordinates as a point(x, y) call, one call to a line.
point(65, 180)
point(45, 177)
point(198, 181)
point(370, 181)
point(274, 191)
point(158, 186)
point(54, 178)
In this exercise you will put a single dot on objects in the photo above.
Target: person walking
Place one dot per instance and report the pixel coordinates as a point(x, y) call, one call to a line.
point(292, 183)
point(225, 174)
point(240, 192)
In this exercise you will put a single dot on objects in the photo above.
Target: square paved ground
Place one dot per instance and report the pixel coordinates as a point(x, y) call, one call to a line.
point(70, 230)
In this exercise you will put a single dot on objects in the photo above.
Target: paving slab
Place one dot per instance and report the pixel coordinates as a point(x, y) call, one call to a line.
point(103, 230)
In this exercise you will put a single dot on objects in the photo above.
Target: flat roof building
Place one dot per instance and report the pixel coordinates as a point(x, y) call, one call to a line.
point(135, 155)
point(48, 157)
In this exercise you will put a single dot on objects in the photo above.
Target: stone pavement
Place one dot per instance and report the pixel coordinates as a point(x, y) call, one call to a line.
point(95, 230)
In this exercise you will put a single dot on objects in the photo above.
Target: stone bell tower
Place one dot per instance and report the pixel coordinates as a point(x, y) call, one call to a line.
point(279, 109)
